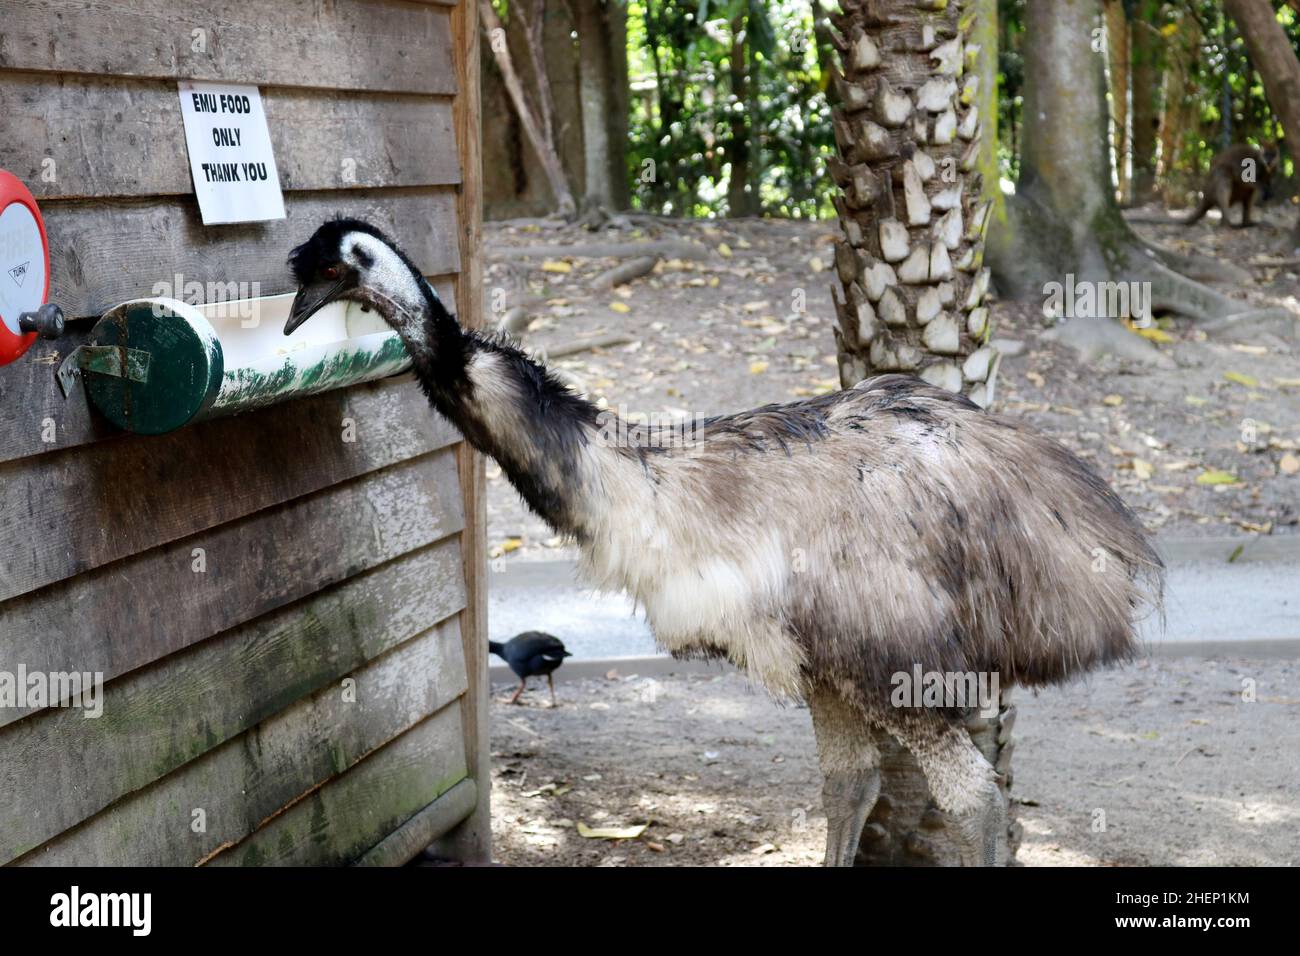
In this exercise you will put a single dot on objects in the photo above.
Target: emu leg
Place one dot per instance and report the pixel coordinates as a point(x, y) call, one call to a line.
point(850, 766)
point(523, 682)
point(963, 784)
point(847, 797)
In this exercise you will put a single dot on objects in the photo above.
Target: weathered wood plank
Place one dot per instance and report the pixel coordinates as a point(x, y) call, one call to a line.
point(345, 44)
point(249, 567)
point(434, 821)
point(107, 252)
point(83, 136)
point(63, 515)
point(343, 819)
point(41, 420)
point(246, 780)
point(58, 768)
point(473, 840)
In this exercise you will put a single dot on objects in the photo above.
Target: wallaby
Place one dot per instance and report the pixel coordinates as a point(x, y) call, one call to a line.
point(1236, 175)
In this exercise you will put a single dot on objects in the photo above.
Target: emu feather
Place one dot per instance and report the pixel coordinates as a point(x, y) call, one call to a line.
point(823, 545)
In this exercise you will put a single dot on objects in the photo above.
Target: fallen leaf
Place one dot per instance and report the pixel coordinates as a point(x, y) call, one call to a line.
point(757, 368)
point(1248, 380)
point(556, 265)
point(816, 265)
point(724, 250)
point(1289, 464)
point(1142, 468)
point(1036, 379)
point(1113, 401)
point(1195, 400)
point(1216, 477)
point(620, 307)
point(1155, 335)
point(610, 833)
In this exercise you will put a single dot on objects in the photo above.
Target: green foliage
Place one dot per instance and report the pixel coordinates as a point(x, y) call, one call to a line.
point(690, 62)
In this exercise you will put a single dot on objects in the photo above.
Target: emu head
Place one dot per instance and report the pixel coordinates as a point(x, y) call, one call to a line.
point(348, 259)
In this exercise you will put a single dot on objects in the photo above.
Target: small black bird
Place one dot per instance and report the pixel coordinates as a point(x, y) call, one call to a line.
point(530, 654)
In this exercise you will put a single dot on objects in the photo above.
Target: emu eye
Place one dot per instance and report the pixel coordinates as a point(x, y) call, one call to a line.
point(330, 272)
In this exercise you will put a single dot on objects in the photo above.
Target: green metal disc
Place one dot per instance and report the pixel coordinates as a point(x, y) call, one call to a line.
point(184, 366)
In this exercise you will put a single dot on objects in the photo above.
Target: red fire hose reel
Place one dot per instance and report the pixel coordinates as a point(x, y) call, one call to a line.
point(24, 273)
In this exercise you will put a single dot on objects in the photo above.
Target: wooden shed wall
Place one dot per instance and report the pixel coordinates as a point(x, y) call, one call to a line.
point(326, 562)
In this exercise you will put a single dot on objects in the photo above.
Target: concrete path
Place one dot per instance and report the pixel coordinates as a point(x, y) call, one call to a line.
point(1239, 597)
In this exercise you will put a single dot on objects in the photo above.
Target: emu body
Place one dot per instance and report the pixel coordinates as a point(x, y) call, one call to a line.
point(823, 545)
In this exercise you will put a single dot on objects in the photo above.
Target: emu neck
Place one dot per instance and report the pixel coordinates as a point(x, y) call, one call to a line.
point(508, 407)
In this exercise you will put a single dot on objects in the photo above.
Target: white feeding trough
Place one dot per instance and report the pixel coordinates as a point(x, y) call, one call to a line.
point(153, 365)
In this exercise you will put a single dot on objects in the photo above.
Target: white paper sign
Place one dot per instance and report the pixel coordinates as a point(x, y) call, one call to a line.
point(231, 160)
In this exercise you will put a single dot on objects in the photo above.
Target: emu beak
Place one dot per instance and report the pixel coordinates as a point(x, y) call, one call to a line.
point(310, 300)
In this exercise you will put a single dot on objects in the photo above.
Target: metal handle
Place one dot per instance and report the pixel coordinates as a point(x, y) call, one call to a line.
point(47, 321)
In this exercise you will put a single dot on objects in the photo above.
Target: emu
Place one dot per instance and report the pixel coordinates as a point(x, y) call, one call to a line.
point(822, 545)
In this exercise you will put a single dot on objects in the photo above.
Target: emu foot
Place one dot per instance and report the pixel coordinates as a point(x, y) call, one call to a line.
point(979, 830)
point(847, 797)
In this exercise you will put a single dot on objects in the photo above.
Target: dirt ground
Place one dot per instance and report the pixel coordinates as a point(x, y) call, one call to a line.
point(1168, 756)
point(723, 333)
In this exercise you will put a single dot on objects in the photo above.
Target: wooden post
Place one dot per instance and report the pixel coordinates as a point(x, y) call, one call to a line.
point(471, 842)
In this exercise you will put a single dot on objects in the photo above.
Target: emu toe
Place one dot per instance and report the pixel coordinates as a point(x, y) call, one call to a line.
point(847, 798)
point(979, 829)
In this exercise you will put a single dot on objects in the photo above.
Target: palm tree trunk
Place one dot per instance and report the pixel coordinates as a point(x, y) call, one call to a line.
point(909, 122)
point(908, 129)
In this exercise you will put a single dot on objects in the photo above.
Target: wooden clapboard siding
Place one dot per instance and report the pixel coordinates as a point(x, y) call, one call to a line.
point(246, 780)
point(251, 566)
point(345, 44)
point(113, 137)
point(67, 513)
point(454, 807)
point(70, 422)
point(353, 812)
point(472, 840)
point(105, 252)
point(325, 559)
point(161, 717)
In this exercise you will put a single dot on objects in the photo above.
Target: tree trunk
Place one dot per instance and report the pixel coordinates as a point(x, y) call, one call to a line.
point(908, 123)
point(1274, 59)
point(1117, 46)
point(1146, 114)
point(1065, 221)
point(908, 129)
point(595, 84)
point(534, 116)
point(620, 102)
point(739, 187)
point(1182, 53)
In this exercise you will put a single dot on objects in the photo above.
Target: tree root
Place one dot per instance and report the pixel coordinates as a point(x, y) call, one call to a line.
point(1201, 268)
point(620, 275)
point(667, 248)
point(1155, 219)
point(1093, 338)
